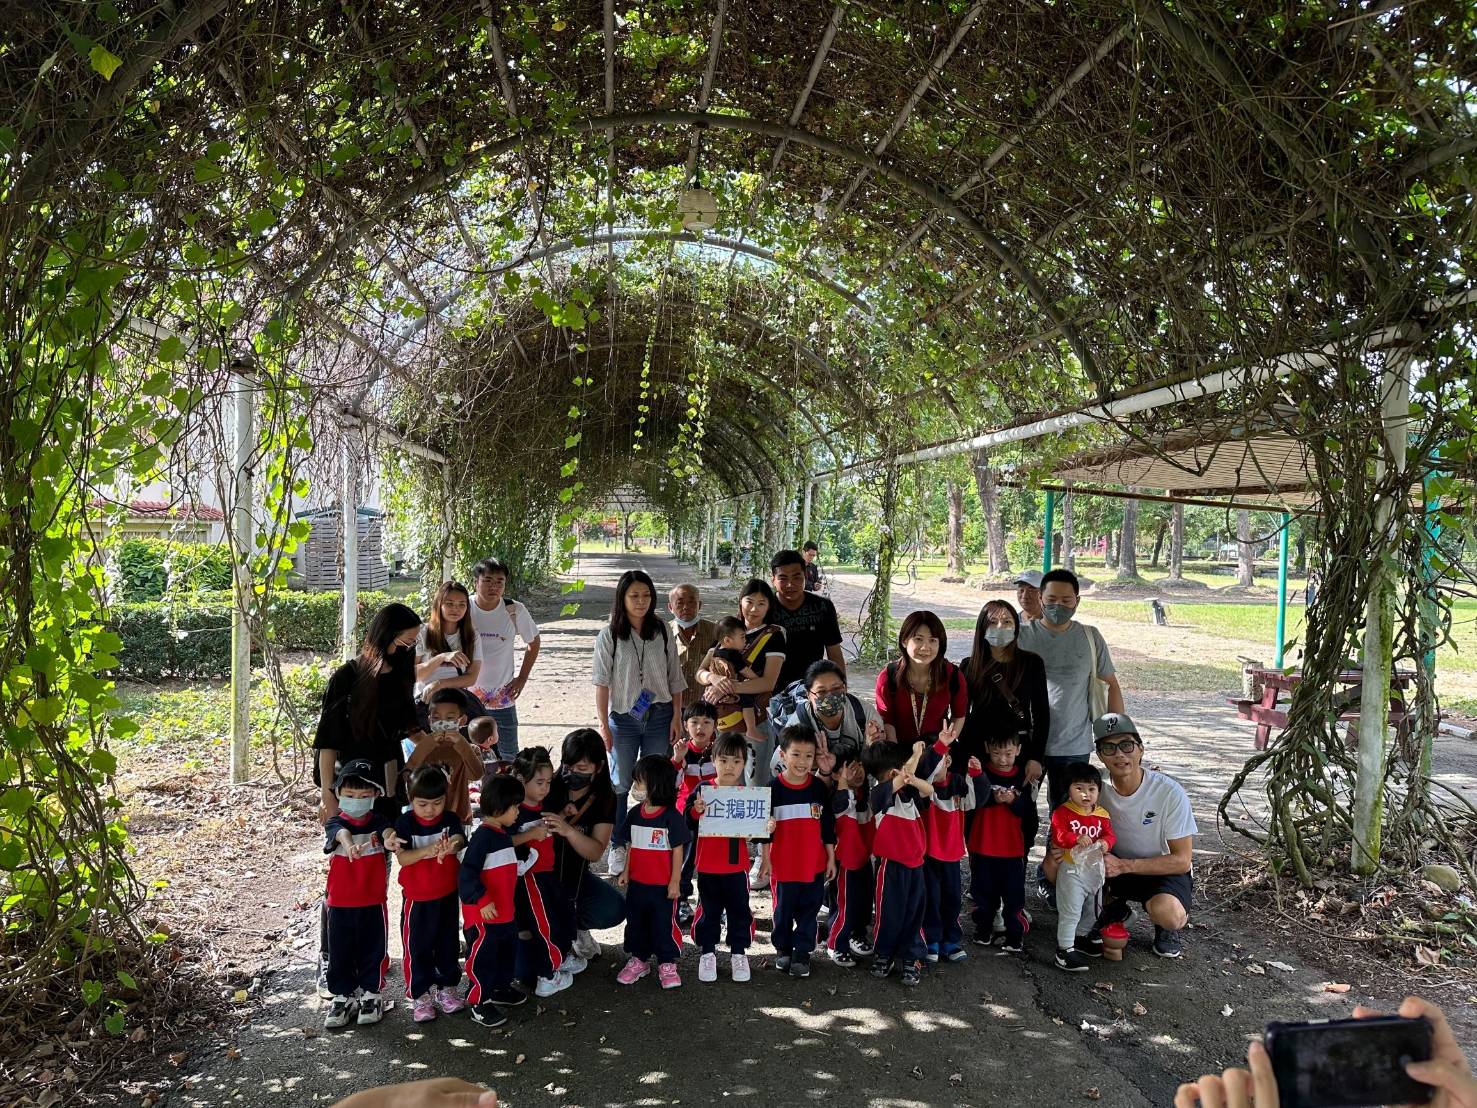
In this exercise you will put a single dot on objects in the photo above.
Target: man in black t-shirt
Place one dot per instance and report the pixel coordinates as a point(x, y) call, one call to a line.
point(811, 629)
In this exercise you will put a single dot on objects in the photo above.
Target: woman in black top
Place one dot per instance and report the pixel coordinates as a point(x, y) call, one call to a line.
point(580, 812)
point(369, 705)
point(1007, 691)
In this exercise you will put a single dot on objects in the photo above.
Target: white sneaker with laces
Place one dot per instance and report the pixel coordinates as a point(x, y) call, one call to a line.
point(707, 967)
point(548, 986)
point(740, 967)
point(573, 964)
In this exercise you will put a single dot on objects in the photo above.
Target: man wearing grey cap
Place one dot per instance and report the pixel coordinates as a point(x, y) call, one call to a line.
point(1028, 594)
point(1150, 863)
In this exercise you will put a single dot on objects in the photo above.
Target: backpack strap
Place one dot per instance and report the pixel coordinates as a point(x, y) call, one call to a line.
point(860, 712)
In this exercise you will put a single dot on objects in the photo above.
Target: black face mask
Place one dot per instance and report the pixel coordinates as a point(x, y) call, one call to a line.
point(577, 781)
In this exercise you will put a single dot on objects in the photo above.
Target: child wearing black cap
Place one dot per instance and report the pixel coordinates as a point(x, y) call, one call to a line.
point(356, 839)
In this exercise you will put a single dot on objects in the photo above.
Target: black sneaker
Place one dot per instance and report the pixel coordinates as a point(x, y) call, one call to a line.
point(507, 998)
point(340, 1012)
point(1071, 961)
point(1090, 944)
point(1167, 943)
point(684, 914)
point(842, 957)
point(782, 963)
point(983, 938)
point(1046, 893)
point(489, 1014)
point(800, 965)
point(1012, 946)
point(881, 967)
point(913, 973)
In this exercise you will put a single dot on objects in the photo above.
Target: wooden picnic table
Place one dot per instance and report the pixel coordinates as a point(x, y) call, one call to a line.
point(1266, 715)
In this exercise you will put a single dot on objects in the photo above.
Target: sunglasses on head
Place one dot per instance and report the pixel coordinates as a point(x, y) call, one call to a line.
point(1124, 747)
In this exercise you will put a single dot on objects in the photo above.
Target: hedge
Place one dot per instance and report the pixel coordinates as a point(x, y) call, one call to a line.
point(148, 568)
point(192, 637)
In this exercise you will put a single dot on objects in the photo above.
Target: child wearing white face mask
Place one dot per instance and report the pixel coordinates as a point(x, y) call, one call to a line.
point(449, 746)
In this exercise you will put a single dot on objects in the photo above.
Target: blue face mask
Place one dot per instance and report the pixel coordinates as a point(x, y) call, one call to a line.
point(356, 807)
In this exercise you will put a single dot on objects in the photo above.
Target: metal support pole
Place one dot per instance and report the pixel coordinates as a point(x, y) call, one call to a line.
point(1046, 534)
point(349, 522)
point(1281, 590)
point(448, 561)
point(1374, 688)
point(241, 543)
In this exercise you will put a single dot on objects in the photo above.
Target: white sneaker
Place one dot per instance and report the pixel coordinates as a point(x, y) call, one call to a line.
point(707, 967)
point(585, 945)
point(755, 881)
point(573, 964)
point(740, 966)
point(615, 864)
point(548, 986)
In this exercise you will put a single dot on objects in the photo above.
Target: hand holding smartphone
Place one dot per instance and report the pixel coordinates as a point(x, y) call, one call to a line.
point(1349, 1063)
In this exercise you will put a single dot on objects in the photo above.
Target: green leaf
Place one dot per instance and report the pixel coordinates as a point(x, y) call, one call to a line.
point(207, 171)
point(261, 220)
point(114, 1024)
point(104, 61)
point(92, 991)
point(127, 981)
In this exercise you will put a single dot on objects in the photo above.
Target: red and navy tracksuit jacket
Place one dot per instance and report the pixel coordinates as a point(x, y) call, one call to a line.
point(694, 767)
point(943, 822)
point(854, 879)
point(722, 866)
point(488, 877)
point(805, 826)
point(543, 905)
point(430, 914)
point(997, 852)
point(900, 845)
point(358, 907)
point(651, 915)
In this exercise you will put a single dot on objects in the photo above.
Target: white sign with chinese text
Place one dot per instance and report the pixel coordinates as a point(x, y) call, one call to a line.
point(735, 811)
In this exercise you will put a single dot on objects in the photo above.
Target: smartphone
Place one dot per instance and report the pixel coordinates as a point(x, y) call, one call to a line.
point(1349, 1063)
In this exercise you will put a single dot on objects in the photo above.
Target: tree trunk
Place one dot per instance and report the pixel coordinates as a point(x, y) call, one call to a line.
point(1158, 543)
point(1177, 543)
point(626, 531)
point(1128, 558)
point(984, 483)
point(1069, 557)
point(1300, 567)
point(1109, 561)
point(956, 529)
point(1244, 563)
point(876, 638)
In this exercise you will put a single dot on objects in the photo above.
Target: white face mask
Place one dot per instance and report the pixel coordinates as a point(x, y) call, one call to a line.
point(444, 725)
point(999, 636)
point(685, 624)
point(356, 807)
point(638, 796)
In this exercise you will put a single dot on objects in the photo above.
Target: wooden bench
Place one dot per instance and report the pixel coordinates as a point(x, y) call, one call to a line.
point(1266, 718)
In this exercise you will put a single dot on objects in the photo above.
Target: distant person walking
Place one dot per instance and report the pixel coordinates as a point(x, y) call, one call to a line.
point(815, 580)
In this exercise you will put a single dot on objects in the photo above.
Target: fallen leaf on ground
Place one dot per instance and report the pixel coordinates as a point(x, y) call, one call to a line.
point(1283, 966)
point(1227, 1010)
point(1335, 987)
point(1425, 956)
point(518, 1061)
point(1106, 986)
point(1093, 1093)
point(956, 1079)
point(1260, 971)
point(1139, 1009)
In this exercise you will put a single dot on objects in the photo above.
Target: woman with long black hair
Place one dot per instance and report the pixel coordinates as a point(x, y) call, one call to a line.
point(1007, 691)
point(369, 706)
point(580, 812)
point(638, 687)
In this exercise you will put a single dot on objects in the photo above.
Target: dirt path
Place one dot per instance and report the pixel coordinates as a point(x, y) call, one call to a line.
point(992, 1030)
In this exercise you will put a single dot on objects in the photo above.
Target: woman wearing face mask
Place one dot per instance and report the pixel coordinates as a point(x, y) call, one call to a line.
point(833, 713)
point(580, 812)
point(1007, 691)
point(921, 691)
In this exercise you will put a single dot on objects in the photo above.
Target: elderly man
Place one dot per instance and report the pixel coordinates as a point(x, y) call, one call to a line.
point(1028, 594)
point(693, 634)
point(1151, 861)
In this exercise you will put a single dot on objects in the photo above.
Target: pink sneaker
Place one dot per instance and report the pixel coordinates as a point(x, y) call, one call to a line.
point(449, 1001)
point(423, 1010)
point(633, 971)
point(666, 973)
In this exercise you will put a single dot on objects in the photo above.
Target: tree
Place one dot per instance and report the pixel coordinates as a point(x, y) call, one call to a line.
point(989, 494)
point(1177, 543)
point(1069, 556)
point(1128, 559)
point(956, 528)
point(1245, 563)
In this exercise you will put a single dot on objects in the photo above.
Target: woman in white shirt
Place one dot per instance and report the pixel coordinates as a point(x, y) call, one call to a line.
point(448, 654)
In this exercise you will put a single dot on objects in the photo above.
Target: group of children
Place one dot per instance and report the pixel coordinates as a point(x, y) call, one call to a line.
point(884, 859)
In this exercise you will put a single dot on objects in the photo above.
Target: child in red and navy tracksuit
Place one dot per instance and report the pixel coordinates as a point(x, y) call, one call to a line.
point(898, 844)
point(801, 854)
point(657, 836)
point(358, 909)
point(543, 905)
point(722, 871)
point(430, 836)
point(488, 875)
point(997, 844)
point(851, 912)
point(943, 822)
point(693, 756)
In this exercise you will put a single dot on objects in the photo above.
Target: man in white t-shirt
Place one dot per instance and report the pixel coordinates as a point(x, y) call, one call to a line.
point(1155, 830)
point(499, 622)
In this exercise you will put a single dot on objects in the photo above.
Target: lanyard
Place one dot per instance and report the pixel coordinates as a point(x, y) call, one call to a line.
point(919, 704)
point(641, 663)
